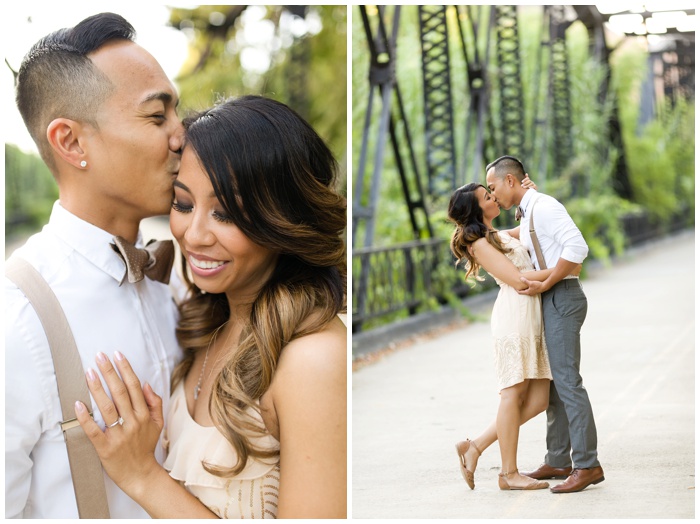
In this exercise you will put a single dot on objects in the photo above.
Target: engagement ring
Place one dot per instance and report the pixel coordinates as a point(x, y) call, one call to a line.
point(119, 421)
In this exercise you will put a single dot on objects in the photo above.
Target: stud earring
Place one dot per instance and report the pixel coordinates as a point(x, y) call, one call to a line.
point(83, 163)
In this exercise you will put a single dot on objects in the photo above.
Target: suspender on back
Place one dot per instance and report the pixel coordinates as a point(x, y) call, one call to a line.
point(85, 466)
point(533, 236)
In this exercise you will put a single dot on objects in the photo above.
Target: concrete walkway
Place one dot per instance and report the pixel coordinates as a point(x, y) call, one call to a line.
point(410, 406)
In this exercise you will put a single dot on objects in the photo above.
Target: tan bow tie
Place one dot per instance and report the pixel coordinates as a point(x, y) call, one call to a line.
point(154, 261)
point(519, 213)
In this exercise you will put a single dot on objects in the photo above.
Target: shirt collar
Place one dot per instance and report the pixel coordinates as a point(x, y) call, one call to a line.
point(88, 240)
point(527, 199)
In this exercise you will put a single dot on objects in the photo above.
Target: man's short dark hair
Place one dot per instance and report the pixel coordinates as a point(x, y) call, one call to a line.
point(507, 165)
point(58, 80)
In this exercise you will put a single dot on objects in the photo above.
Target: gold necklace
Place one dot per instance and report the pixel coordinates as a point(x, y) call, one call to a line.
point(198, 387)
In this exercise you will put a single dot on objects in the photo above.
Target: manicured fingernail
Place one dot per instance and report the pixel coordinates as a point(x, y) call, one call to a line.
point(91, 375)
point(148, 387)
point(101, 358)
point(79, 406)
point(118, 355)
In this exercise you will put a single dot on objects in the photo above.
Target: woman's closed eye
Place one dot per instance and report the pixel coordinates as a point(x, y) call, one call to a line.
point(181, 208)
point(222, 217)
point(219, 216)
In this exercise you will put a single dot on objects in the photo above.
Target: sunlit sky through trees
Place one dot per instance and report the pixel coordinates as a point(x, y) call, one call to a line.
point(25, 22)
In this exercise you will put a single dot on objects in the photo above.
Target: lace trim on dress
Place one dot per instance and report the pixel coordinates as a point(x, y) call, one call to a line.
point(518, 358)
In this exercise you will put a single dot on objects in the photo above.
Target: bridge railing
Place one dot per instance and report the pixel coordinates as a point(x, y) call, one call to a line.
point(412, 276)
point(408, 276)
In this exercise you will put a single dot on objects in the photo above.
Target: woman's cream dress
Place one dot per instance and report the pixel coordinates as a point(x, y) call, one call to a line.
point(253, 493)
point(520, 350)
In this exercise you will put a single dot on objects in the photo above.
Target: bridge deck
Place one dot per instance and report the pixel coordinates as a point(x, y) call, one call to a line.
point(411, 406)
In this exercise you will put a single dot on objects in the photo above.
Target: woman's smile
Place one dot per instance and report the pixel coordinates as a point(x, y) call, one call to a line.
point(211, 241)
point(205, 266)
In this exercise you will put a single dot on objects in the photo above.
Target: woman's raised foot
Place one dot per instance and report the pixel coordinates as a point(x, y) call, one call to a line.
point(469, 455)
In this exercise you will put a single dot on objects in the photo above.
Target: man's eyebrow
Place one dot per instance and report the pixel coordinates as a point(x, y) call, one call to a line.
point(164, 97)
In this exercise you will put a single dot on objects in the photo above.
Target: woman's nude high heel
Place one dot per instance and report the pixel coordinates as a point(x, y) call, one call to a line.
point(535, 484)
point(462, 448)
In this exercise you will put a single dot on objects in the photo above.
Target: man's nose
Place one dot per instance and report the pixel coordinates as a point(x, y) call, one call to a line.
point(177, 139)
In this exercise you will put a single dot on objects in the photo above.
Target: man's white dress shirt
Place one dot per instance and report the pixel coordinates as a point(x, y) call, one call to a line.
point(139, 320)
point(556, 232)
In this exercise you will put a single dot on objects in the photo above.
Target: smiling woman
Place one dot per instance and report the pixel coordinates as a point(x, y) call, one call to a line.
point(220, 256)
point(263, 384)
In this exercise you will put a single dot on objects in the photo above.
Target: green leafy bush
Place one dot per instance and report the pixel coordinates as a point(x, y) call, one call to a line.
point(600, 222)
point(30, 192)
point(660, 154)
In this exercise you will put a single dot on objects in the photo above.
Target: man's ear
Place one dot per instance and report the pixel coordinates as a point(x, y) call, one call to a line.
point(65, 137)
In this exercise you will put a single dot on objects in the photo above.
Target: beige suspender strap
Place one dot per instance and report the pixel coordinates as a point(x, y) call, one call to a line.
point(85, 466)
point(533, 236)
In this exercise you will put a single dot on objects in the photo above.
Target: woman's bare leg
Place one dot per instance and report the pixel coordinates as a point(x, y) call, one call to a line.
point(508, 424)
point(536, 400)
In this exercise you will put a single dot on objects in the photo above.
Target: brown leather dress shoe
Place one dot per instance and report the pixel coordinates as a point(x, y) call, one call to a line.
point(579, 480)
point(545, 471)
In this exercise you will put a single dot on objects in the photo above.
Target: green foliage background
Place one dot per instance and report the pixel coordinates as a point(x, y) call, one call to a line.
point(30, 191)
point(659, 154)
point(222, 75)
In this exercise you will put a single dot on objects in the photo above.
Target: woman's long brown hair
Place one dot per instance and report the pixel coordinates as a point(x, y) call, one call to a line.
point(466, 213)
point(275, 178)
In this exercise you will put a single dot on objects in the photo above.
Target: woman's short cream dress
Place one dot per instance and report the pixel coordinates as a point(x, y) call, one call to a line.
point(252, 494)
point(517, 326)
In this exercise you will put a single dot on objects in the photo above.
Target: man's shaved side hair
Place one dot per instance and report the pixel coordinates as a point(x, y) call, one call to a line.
point(58, 80)
point(507, 165)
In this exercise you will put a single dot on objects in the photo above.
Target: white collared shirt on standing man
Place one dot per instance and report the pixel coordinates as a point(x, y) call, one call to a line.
point(556, 232)
point(139, 320)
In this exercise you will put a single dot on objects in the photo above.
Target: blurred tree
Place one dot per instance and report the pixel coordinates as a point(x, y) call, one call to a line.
point(30, 191)
point(294, 54)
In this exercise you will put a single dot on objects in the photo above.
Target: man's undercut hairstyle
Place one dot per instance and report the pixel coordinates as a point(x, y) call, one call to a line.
point(507, 165)
point(58, 80)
